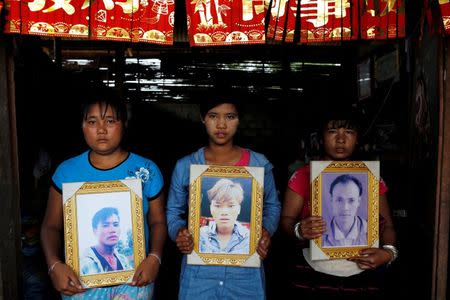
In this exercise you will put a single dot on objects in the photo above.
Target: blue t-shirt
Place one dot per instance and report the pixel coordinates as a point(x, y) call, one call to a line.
point(80, 169)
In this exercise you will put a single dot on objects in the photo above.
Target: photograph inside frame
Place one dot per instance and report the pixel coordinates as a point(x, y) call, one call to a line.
point(225, 214)
point(104, 237)
point(346, 195)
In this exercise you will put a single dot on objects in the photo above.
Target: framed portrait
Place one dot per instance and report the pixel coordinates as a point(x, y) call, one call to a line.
point(103, 230)
point(346, 195)
point(225, 214)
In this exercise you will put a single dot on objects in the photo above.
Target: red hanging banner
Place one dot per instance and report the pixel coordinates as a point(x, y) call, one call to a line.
point(320, 20)
point(382, 19)
point(212, 22)
point(129, 20)
point(112, 21)
point(225, 22)
point(282, 20)
point(159, 23)
point(135, 20)
point(328, 20)
point(445, 12)
point(336, 20)
point(62, 18)
point(12, 19)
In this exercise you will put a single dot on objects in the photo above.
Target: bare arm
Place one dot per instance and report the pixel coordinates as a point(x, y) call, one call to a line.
point(311, 227)
point(157, 225)
point(149, 268)
point(51, 229)
point(292, 207)
point(63, 278)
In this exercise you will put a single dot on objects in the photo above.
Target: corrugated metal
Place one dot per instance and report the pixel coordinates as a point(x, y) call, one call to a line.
point(178, 77)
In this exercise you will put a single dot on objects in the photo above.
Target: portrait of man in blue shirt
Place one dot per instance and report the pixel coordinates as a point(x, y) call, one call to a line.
point(224, 233)
point(104, 257)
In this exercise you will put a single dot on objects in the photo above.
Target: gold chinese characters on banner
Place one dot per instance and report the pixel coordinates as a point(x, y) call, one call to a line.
point(213, 22)
point(225, 22)
point(130, 20)
point(335, 20)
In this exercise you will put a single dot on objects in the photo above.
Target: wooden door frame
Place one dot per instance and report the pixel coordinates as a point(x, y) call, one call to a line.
point(442, 207)
point(10, 250)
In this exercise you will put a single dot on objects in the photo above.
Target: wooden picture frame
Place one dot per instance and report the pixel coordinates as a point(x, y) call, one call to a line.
point(99, 215)
point(208, 217)
point(350, 209)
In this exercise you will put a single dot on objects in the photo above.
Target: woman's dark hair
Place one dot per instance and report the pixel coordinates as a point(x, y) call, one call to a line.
point(207, 104)
point(106, 98)
point(219, 95)
point(103, 214)
point(340, 118)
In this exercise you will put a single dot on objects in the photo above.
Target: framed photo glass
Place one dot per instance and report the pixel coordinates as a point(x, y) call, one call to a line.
point(346, 195)
point(225, 214)
point(103, 230)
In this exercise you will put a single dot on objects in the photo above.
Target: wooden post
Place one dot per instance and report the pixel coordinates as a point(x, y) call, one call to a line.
point(10, 251)
point(441, 231)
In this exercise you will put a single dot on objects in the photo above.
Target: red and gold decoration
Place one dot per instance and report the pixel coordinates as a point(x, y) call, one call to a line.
point(445, 12)
point(128, 20)
point(335, 20)
point(213, 22)
point(225, 22)
point(282, 20)
point(382, 19)
point(318, 20)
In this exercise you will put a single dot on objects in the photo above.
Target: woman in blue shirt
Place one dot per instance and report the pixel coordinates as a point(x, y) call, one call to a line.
point(104, 118)
point(221, 119)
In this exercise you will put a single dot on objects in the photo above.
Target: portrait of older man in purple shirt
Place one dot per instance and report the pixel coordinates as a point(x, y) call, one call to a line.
point(345, 225)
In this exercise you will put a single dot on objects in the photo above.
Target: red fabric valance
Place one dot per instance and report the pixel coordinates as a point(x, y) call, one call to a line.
point(336, 20)
point(210, 22)
point(445, 12)
point(225, 22)
point(129, 20)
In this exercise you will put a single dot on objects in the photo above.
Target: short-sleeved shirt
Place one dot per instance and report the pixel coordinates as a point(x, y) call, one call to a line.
point(80, 169)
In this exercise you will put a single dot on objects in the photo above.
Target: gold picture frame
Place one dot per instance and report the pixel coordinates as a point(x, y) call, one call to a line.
point(247, 225)
point(117, 204)
point(361, 216)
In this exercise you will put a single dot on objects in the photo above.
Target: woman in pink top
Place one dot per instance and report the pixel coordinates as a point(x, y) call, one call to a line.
point(339, 138)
